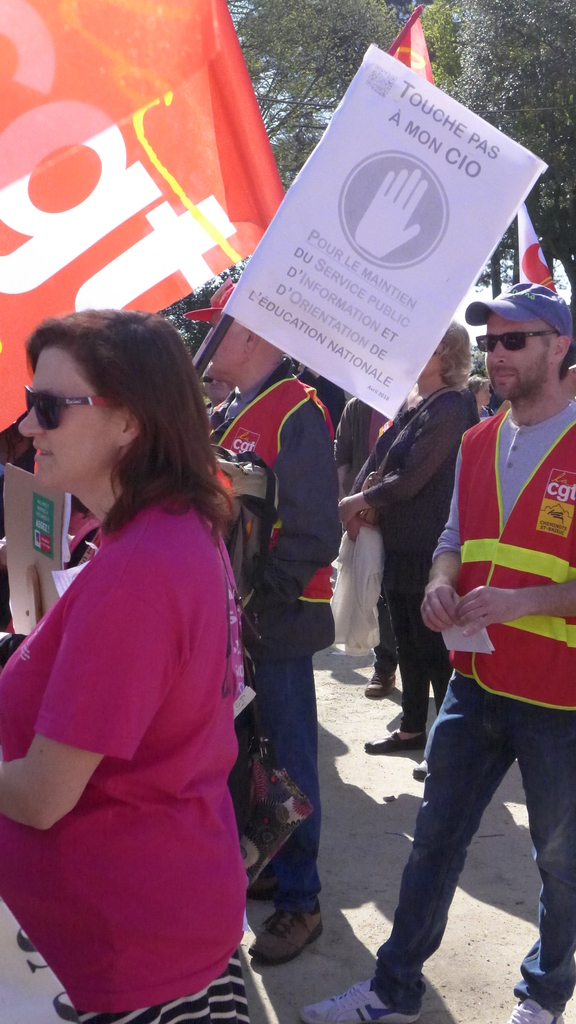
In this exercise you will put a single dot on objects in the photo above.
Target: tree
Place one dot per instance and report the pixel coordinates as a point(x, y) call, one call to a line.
point(194, 332)
point(478, 362)
point(442, 22)
point(302, 55)
point(518, 72)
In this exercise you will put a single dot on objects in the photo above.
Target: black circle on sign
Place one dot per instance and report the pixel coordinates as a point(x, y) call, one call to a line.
point(359, 192)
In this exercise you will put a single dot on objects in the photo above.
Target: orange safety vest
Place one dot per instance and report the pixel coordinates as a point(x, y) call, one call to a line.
point(535, 657)
point(258, 428)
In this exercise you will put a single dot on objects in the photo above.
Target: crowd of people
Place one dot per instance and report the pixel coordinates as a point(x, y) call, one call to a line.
point(118, 832)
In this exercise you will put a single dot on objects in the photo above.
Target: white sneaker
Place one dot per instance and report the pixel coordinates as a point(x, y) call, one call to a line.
point(359, 1003)
point(530, 1012)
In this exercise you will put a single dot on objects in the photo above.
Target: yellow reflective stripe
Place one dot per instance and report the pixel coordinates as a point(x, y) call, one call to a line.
point(288, 414)
point(316, 600)
point(497, 471)
point(250, 405)
point(510, 556)
point(538, 562)
point(552, 627)
point(524, 700)
point(481, 550)
point(532, 474)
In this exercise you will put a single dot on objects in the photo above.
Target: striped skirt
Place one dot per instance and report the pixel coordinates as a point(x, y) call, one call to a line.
point(223, 1001)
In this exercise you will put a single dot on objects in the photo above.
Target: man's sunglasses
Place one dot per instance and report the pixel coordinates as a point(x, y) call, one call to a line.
point(512, 341)
point(48, 406)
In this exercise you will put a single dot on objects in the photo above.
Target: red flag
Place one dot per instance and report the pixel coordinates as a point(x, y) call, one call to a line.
point(533, 266)
point(410, 46)
point(134, 163)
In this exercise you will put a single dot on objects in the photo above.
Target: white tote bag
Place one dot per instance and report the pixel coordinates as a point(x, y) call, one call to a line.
point(360, 565)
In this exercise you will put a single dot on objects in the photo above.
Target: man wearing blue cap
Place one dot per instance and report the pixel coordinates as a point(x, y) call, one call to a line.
point(506, 562)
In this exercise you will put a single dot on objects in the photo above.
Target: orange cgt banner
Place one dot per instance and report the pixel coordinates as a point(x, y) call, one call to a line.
point(134, 163)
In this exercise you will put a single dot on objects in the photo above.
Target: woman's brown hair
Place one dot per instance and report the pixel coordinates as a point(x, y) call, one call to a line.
point(138, 361)
point(455, 356)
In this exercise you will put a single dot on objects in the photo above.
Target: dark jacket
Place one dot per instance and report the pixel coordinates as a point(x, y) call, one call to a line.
point(309, 537)
point(413, 499)
point(330, 394)
point(352, 439)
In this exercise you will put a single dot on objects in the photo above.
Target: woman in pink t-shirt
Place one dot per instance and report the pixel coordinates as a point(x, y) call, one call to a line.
point(118, 848)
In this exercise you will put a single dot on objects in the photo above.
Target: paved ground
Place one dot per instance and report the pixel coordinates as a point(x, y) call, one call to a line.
point(369, 809)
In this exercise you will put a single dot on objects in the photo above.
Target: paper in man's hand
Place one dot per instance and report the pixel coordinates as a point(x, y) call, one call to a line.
point(455, 640)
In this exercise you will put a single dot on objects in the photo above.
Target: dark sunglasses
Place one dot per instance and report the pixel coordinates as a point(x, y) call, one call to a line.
point(48, 406)
point(512, 341)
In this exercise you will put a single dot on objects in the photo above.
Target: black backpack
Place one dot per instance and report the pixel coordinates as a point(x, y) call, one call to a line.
point(255, 491)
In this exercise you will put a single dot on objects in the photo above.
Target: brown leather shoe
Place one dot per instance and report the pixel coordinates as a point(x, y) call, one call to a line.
point(380, 685)
point(284, 935)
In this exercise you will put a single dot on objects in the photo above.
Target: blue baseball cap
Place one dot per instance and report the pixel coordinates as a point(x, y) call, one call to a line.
point(524, 302)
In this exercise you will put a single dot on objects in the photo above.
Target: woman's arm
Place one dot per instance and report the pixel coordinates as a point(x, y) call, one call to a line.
point(39, 789)
point(436, 439)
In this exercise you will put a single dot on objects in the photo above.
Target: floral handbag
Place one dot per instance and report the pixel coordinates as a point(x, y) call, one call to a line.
point(277, 806)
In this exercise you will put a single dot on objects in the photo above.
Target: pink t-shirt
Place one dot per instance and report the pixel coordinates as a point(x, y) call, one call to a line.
point(135, 897)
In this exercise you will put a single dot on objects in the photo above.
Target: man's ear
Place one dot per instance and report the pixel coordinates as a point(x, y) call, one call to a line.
point(251, 343)
point(562, 345)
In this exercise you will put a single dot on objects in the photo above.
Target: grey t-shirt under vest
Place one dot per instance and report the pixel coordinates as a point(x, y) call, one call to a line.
point(521, 449)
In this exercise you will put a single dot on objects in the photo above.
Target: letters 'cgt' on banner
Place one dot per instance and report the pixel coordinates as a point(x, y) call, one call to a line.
point(383, 232)
point(134, 164)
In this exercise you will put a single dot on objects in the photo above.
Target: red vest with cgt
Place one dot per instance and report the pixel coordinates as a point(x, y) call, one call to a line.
point(535, 657)
point(258, 428)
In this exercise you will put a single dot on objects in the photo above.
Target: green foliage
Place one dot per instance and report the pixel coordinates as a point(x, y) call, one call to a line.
point(403, 8)
point(512, 63)
point(302, 55)
point(519, 73)
point(441, 23)
point(478, 363)
point(192, 332)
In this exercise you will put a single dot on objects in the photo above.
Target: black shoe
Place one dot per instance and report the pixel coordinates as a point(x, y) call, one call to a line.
point(394, 744)
point(421, 771)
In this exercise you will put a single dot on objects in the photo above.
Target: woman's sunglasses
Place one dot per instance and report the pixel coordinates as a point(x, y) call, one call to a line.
point(48, 407)
point(512, 341)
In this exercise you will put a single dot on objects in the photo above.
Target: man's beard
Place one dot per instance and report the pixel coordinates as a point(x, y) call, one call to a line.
point(528, 384)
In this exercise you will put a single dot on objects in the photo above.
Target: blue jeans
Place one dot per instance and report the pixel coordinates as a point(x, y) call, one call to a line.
point(287, 705)
point(475, 739)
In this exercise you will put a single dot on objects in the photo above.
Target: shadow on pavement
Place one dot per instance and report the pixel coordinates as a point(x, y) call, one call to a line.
point(366, 841)
point(355, 871)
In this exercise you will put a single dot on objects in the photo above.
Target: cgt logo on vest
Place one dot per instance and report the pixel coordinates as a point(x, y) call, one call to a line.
point(557, 509)
point(245, 441)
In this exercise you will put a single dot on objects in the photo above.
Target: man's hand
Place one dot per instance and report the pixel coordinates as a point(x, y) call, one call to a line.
point(439, 607)
point(485, 605)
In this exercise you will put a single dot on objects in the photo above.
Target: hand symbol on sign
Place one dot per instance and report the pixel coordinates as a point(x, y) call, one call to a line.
point(383, 227)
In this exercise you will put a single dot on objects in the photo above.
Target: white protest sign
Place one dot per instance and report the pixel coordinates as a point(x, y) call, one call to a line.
point(384, 230)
